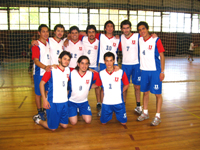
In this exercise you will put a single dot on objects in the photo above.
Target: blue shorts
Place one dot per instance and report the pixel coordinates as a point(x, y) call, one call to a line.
point(150, 81)
point(134, 71)
point(37, 79)
point(107, 112)
point(58, 113)
point(84, 109)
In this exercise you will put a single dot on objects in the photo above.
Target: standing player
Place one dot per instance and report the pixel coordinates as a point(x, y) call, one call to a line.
point(41, 58)
point(114, 83)
point(152, 63)
point(191, 51)
point(129, 44)
point(57, 102)
point(81, 81)
point(75, 47)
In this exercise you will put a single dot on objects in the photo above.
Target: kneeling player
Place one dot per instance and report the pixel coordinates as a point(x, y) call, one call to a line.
point(81, 81)
point(56, 104)
point(114, 83)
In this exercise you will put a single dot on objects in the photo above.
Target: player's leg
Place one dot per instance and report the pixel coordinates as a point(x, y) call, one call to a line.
point(72, 112)
point(98, 97)
point(145, 87)
point(85, 111)
point(106, 113)
point(120, 112)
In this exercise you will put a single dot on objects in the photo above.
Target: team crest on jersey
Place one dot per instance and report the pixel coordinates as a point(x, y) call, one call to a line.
point(87, 81)
point(116, 79)
point(156, 87)
point(114, 44)
point(133, 41)
point(80, 48)
point(95, 47)
point(150, 47)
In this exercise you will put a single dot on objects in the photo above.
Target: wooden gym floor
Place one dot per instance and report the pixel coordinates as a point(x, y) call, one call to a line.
point(179, 129)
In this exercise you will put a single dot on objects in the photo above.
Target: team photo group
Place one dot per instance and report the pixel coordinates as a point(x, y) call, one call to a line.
point(65, 69)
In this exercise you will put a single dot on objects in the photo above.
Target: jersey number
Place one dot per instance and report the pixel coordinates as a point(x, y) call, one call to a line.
point(127, 48)
point(108, 47)
point(143, 52)
point(74, 55)
point(47, 56)
point(80, 88)
point(110, 86)
point(89, 52)
point(58, 52)
point(63, 83)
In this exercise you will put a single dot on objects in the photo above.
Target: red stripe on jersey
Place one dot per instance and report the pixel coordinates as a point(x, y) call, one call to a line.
point(120, 46)
point(160, 46)
point(35, 52)
point(71, 69)
point(97, 78)
point(97, 35)
point(125, 79)
point(46, 76)
point(80, 37)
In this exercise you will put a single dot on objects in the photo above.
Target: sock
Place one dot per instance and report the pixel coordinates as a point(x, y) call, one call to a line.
point(98, 103)
point(39, 110)
point(158, 115)
point(37, 120)
point(138, 104)
point(145, 111)
point(44, 109)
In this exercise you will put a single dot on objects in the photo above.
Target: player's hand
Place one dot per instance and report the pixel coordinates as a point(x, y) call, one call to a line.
point(92, 70)
point(162, 76)
point(46, 104)
point(34, 42)
point(47, 68)
point(54, 66)
point(66, 43)
point(154, 35)
point(116, 68)
point(117, 36)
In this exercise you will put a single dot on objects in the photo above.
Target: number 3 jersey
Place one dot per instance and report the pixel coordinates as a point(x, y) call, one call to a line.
point(113, 86)
point(55, 49)
point(58, 82)
point(79, 86)
point(149, 54)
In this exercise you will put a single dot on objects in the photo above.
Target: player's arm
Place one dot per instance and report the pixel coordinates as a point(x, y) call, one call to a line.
point(97, 80)
point(162, 58)
point(45, 79)
point(125, 82)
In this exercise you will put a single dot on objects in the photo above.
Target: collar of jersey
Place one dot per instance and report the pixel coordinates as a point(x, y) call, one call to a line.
point(81, 75)
point(56, 40)
point(60, 69)
point(91, 42)
point(43, 43)
point(110, 73)
point(147, 39)
point(129, 36)
point(73, 42)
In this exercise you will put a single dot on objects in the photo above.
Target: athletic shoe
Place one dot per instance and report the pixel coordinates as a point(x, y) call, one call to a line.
point(99, 113)
point(98, 106)
point(37, 118)
point(42, 115)
point(156, 121)
point(143, 117)
point(192, 59)
point(138, 109)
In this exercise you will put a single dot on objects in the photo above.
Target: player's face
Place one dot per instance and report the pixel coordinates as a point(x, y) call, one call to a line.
point(109, 28)
point(109, 62)
point(64, 61)
point(143, 31)
point(83, 65)
point(74, 35)
point(59, 32)
point(44, 33)
point(126, 29)
point(91, 34)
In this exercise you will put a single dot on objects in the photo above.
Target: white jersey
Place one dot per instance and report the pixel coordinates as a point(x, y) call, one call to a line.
point(55, 49)
point(191, 45)
point(107, 45)
point(91, 50)
point(58, 82)
point(76, 50)
point(129, 47)
point(79, 86)
point(149, 54)
point(113, 86)
point(44, 57)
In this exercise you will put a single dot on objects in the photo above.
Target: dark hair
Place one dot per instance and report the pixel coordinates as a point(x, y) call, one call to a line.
point(73, 28)
point(41, 26)
point(80, 59)
point(125, 22)
point(63, 53)
point(109, 22)
point(91, 27)
point(58, 26)
point(109, 54)
point(142, 23)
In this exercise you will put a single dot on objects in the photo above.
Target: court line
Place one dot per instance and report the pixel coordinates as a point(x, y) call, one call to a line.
point(183, 109)
point(125, 127)
point(2, 83)
point(137, 148)
point(22, 102)
point(131, 136)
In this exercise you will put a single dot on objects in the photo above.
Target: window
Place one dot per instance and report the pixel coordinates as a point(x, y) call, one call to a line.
point(3, 18)
point(195, 23)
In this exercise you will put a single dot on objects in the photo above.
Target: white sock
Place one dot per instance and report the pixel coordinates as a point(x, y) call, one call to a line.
point(98, 103)
point(146, 111)
point(37, 121)
point(158, 115)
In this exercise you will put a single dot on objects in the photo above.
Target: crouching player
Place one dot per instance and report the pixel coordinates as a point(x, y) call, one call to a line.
point(56, 104)
point(81, 81)
point(114, 83)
